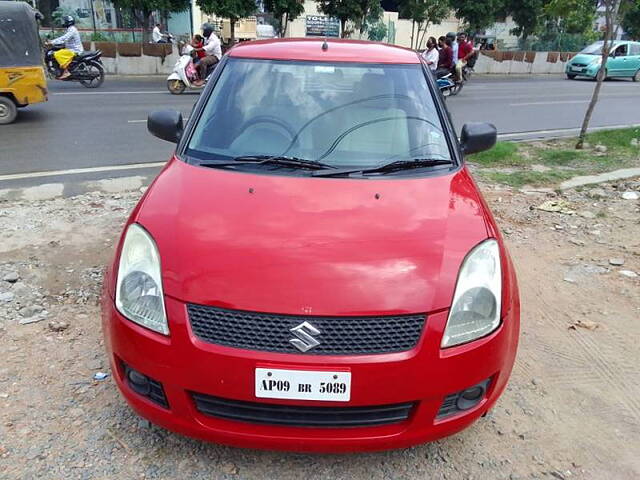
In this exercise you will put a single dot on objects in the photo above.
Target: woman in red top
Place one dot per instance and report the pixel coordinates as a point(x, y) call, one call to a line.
point(198, 43)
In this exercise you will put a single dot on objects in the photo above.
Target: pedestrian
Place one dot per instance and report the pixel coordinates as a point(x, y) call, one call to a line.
point(431, 54)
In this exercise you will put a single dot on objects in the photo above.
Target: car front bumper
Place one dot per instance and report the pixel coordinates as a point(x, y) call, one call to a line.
point(425, 375)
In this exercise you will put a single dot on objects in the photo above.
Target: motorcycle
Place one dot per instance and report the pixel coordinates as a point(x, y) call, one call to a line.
point(447, 84)
point(184, 74)
point(86, 67)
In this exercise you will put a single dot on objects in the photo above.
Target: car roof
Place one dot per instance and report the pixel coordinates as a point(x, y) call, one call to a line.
point(337, 50)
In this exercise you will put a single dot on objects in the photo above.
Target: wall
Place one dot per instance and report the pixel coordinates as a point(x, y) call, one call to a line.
point(539, 65)
point(141, 65)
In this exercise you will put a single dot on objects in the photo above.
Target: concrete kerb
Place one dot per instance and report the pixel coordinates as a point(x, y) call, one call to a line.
point(540, 65)
point(142, 65)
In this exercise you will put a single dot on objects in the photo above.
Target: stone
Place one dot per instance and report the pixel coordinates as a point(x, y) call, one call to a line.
point(31, 310)
point(597, 193)
point(617, 262)
point(11, 277)
point(55, 326)
point(587, 214)
point(34, 319)
point(600, 149)
point(630, 196)
point(635, 142)
point(6, 296)
point(540, 168)
point(628, 273)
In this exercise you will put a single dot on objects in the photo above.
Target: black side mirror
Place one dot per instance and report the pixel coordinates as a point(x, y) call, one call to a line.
point(166, 125)
point(477, 137)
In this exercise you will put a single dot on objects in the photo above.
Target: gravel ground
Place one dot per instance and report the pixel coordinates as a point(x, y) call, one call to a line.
point(571, 410)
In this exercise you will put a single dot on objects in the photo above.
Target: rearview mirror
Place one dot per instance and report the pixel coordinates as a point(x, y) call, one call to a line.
point(166, 125)
point(477, 137)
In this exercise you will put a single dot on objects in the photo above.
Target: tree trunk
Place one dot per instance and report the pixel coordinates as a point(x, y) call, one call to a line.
point(285, 21)
point(424, 32)
point(413, 26)
point(232, 30)
point(611, 13)
point(343, 30)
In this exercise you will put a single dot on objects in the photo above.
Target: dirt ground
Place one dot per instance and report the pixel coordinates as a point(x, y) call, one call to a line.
point(572, 409)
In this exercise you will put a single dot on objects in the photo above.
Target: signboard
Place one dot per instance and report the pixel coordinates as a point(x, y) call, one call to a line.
point(321, 26)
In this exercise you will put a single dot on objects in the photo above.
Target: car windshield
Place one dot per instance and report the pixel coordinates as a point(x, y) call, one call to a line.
point(342, 115)
point(596, 48)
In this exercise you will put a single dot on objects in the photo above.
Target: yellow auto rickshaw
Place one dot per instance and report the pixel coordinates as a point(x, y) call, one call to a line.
point(22, 79)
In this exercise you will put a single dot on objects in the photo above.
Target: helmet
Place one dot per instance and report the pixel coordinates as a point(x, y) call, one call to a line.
point(207, 29)
point(451, 35)
point(68, 20)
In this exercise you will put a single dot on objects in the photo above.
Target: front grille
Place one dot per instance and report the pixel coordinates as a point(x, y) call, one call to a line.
point(579, 64)
point(338, 335)
point(296, 416)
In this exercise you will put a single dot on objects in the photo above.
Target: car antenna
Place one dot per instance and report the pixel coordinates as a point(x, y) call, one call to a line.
point(325, 45)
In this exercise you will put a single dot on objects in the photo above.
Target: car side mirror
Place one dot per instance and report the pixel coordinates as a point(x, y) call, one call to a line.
point(166, 125)
point(477, 137)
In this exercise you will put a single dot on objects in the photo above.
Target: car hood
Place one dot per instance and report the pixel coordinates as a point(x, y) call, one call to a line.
point(583, 58)
point(317, 246)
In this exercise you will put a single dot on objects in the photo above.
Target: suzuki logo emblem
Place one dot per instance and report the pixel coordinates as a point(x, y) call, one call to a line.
point(304, 333)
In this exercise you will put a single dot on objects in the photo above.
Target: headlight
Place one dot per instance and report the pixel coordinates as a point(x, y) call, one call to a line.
point(596, 61)
point(139, 295)
point(477, 301)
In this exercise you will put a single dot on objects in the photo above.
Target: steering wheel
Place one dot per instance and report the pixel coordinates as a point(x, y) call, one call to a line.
point(270, 119)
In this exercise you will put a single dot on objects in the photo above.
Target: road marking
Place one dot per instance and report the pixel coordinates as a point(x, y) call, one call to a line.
point(78, 171)
point(143, 92)
point(554, 102)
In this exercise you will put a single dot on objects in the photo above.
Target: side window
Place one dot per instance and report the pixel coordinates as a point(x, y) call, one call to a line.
point(635, 49)
point(621, 51)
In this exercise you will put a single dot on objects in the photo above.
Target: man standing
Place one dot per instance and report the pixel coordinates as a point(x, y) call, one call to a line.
point(213, 50)
point(72, 43)
point(465, 52)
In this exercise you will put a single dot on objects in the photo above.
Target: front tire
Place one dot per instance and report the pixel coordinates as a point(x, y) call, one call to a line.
point(176, 87)
point(455, 90)
point(94, 67)
point(636, 77)
point(8, 111)
point(570, 76)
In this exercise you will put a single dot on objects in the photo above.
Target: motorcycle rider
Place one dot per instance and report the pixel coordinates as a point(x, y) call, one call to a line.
point(454, 46)
point(465, 52)
point(213, 50)
point(445, 60)
point(431, 54)
point(73, 46)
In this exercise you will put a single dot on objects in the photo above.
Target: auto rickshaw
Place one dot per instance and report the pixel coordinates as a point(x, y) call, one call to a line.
point(22, 78)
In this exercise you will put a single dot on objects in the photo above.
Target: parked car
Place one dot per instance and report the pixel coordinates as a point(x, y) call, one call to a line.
point(314, 268)
point(623, 61)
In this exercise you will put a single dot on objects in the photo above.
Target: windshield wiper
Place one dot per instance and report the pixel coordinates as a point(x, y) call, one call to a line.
point(394, 166)
point(272, 159)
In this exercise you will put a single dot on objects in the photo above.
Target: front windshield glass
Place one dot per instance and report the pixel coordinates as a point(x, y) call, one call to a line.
point(596, 48)
point(344, 115)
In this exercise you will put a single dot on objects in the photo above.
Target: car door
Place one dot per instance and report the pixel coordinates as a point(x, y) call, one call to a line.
point(615, 63)
point(634, 57)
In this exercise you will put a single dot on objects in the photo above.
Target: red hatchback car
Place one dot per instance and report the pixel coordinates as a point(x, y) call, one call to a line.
point(314, 269)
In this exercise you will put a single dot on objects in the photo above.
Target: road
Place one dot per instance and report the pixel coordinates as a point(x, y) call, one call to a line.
point(100, 129)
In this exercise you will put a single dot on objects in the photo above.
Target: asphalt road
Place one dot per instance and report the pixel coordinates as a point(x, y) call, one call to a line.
point(80, 128)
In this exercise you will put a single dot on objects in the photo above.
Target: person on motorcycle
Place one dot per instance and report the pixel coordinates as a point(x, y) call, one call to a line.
point(213, 50)
point(72, 43)
point(445, 58)
point(465, 52)
point(431, 54)
point(454, 47)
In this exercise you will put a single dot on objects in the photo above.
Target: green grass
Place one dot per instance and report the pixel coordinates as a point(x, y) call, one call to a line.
point(561, 154)
point(502, 154)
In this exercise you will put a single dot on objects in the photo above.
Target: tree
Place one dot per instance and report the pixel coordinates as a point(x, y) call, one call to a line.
point(478, 15)
point(631, 19)
point(572, 16)
point(527, 15)
point(234, 10)
point(611, 8)
point(284, 11)
point(343, 10)
point(147, 7)
point(422, 13)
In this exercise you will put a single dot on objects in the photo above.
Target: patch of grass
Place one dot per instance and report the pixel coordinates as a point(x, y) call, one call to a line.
point(617, 140)
point(527, 177)
point(502, 154)
point(560, 157)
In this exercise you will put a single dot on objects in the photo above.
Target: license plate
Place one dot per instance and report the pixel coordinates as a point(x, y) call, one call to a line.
point(576, 69)
point(303, 384)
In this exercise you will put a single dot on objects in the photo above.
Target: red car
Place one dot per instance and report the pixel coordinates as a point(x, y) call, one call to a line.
point(314, 269)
